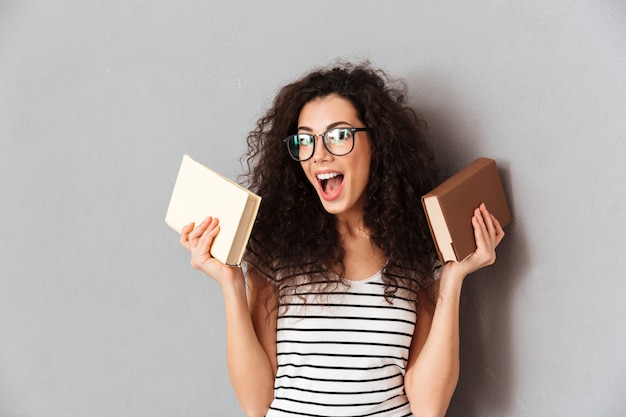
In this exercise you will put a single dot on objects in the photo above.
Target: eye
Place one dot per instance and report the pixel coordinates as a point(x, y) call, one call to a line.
point(303, 139)
point(338, 136)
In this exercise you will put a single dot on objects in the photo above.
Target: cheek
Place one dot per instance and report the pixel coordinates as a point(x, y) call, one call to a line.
point(362, 170)
point(364, 176)
point(307, 171)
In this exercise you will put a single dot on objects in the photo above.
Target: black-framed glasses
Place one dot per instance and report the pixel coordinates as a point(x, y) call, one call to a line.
point(338, 141)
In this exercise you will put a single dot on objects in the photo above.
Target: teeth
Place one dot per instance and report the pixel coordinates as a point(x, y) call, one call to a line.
point(327, 176)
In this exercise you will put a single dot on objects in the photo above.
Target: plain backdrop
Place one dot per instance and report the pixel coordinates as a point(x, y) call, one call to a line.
point(100, 313)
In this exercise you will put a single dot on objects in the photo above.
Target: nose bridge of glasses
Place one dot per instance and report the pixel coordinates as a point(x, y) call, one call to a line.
point(323, 148)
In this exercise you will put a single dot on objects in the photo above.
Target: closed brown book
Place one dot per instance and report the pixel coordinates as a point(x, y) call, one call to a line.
point(450, 207)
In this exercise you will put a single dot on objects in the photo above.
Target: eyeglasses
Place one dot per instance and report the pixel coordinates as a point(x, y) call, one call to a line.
point(338, 141)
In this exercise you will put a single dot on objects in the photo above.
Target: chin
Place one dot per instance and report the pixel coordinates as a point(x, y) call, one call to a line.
point(332, 207)
point(337, 207)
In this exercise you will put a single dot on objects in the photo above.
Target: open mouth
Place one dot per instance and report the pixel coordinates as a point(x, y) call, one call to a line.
point(330, 183)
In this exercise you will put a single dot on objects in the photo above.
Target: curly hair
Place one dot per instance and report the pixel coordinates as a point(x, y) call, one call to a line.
point(294, 237)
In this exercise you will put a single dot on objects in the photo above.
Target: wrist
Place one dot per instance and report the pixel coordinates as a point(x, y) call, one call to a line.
point(233, 283)
point(451, 280)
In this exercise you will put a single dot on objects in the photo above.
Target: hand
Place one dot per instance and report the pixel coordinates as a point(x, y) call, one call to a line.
point(198, 241)
point(488, 234)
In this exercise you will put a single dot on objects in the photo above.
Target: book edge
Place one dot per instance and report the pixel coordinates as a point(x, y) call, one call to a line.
point(242, 235)
point(436, 218)
point(461, 176)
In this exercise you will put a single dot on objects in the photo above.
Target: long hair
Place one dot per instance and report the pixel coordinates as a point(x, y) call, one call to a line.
point(294, 237)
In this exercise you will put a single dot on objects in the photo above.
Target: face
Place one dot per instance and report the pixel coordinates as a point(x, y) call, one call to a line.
point(340, 181)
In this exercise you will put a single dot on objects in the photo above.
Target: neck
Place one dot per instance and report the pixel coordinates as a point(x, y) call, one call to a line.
point(352, 226)
point(361, 258)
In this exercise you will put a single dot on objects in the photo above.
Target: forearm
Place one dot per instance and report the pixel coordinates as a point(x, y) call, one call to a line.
point(249, 365)
point(433, 370)
point(249, 368)
point(435, 373)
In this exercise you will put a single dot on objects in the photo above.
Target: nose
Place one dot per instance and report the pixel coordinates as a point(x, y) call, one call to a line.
point(320, 153)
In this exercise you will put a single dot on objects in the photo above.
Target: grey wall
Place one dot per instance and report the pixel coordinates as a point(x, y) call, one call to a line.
point(100, 314)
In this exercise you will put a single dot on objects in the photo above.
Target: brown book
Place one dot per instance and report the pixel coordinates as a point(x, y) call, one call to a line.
point(200, 192)
point(450, 207)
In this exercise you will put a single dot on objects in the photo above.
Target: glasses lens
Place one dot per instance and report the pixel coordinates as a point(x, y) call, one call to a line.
point(339, 141)
point(301, 146)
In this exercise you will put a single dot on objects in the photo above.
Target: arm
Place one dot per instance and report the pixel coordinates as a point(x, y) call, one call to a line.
point(433, 368)
point(250, 333)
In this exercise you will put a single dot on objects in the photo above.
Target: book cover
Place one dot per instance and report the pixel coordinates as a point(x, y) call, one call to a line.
point(200, 192)
point(450, 206)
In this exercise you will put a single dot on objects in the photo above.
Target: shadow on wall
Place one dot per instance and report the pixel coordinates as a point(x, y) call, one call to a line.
point(486, 382)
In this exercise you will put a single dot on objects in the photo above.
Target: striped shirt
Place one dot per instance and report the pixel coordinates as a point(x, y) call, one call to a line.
point(343, 352)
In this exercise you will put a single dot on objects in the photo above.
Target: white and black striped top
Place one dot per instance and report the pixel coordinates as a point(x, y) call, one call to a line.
point(344, 352)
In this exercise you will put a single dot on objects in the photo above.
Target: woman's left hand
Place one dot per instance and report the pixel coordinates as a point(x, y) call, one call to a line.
point(488, 234)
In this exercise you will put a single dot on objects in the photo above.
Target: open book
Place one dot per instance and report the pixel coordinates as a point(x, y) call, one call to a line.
point(200, 192)
point(450, 207)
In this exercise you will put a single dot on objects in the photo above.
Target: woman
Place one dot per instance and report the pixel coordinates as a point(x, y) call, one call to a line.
point(342, 314)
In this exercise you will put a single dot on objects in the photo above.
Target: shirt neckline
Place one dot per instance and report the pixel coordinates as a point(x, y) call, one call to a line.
point(374, 277)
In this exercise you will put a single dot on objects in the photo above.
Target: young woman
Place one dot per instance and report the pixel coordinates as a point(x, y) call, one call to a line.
point(344, 311)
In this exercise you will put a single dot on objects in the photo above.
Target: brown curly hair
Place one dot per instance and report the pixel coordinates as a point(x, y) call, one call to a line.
point(294, 237)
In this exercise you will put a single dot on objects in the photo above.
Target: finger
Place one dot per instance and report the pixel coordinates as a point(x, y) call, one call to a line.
point(485, 244)
point(499, 230)
point(496, 224)
point(184, 234)
point(479, 229)
point(199, 230)
point(493, 229)
point(487, 218)
point(481, 222)
point(206, 240)
point(201, 252)
point(485, 230)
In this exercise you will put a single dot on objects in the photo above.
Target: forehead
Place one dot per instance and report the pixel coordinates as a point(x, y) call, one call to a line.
point(325, 111)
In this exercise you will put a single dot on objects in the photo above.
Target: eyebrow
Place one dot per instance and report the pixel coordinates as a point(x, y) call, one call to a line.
point(330, 126)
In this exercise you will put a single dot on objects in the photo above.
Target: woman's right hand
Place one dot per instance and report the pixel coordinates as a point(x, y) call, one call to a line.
point(198, 241)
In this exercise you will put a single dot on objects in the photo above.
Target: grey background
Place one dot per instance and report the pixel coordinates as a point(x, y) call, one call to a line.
point(100, 314)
